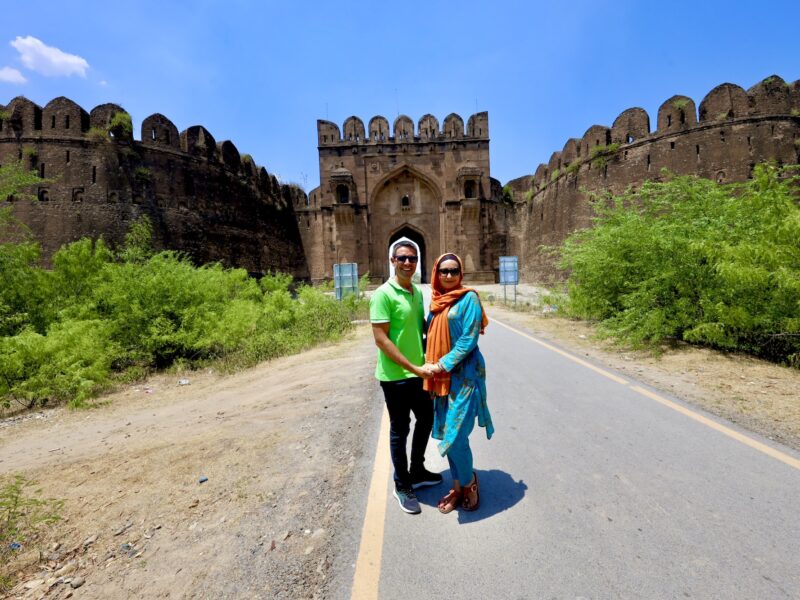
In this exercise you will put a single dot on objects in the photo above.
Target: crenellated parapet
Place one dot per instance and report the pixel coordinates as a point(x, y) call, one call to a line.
point(402, 130)
point(725, 105)
point(722, 138)
point(205, 197)
point(25, 122)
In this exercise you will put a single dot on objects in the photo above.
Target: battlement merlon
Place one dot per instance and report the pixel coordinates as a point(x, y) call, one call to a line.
point(402, 130)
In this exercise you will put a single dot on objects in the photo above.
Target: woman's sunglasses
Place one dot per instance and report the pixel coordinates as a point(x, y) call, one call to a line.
point(452, 272)
point(412, 259)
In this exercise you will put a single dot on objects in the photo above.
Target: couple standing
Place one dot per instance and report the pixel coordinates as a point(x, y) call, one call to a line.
point(443, 385)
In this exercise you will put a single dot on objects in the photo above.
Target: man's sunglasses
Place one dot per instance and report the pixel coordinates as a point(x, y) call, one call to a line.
point(452, 272)
point(411, 259)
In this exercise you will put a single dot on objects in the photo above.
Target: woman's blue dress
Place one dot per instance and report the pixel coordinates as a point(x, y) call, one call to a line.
point(464, 362)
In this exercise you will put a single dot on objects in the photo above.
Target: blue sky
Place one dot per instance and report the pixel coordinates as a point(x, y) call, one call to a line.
point(262, 73)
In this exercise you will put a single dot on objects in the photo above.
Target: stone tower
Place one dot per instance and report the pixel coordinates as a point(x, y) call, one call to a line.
point(430, 184)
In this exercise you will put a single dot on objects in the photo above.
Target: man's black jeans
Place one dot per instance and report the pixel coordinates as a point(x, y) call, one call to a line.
point(402, 398)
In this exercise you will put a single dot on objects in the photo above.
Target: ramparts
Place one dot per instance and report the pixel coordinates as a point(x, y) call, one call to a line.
point(203, 197)
point(733, 131)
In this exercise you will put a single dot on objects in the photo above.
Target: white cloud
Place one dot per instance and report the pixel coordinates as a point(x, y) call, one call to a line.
point(103, 82)
point(47, 60)
point(9, 75)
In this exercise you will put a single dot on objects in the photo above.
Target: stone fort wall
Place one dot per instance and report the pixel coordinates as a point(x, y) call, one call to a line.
point(203, 197)
point(732, 132)
point(425, 181)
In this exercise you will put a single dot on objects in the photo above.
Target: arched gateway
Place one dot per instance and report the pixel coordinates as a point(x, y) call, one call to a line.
point(430, 186)
point(407, 232)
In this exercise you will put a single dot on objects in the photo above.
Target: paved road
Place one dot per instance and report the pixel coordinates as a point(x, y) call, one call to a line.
point(592, 489)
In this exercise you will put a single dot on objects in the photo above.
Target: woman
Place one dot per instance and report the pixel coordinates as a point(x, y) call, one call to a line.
point(458, 384)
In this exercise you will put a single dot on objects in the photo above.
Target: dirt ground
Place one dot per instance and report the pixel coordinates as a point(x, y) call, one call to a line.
point(758, 395)
point(282, 446)
point(277, 443)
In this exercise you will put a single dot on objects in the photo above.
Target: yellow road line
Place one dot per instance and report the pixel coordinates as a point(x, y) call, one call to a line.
point(739, 437)
point(768, 450)
point(366, 578)
point(368, 564)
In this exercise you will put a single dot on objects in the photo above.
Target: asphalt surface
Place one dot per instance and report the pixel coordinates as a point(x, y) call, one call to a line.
point(592, 490)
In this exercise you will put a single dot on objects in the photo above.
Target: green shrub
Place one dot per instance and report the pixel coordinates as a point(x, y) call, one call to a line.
point(143, 175)
point(693, 260)
point(70, 332)
point(97, 134)
point(508, 194)
point(121, 126)
point(680, 103)
point(599, 155)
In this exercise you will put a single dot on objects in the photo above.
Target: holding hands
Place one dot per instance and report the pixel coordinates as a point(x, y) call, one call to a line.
point(428, 370)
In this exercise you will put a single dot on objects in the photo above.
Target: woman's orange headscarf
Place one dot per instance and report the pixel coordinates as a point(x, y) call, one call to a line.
point(439, 330)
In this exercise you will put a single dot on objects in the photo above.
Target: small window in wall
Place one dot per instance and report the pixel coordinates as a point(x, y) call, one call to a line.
point(405, 202)
point(630, 138)
point(94, 174)
point(672, 145)
point(342, 194)
point(669, 120)
point(53, 122)
point(67, 156)
point(153, 134)
point(683, 117)
point(41, 170)
point(66, 122)
point(469, 189)
point(167, 139)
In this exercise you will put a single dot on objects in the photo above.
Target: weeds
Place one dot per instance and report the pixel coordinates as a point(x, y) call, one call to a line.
point(24, 517)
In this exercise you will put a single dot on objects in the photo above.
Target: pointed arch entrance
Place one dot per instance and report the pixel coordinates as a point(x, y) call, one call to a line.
point(408, 232)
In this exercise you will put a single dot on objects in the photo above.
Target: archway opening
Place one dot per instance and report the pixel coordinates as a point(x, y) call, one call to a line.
point(413, 236)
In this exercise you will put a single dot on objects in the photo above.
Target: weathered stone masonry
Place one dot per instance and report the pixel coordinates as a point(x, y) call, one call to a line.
point(734, 130)
point(378, 183)
point(202, 196)
point(429, 184)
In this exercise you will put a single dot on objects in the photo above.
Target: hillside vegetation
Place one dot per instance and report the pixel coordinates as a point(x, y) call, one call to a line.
point(689, 259)
point(101, 316)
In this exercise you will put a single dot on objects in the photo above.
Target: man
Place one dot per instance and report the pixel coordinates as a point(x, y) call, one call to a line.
point(397, 314)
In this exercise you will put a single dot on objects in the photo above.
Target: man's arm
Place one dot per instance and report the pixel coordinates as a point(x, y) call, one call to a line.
point(380, 331)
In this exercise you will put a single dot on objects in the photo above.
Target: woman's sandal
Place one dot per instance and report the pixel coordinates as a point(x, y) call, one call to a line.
point(450, 502)
point(466, 503)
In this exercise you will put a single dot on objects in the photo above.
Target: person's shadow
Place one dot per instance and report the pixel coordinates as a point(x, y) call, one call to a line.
point(498, 492)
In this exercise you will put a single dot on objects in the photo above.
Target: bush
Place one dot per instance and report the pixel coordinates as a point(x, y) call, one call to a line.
point(68, 333)
point(693, 260)
point(121, 126)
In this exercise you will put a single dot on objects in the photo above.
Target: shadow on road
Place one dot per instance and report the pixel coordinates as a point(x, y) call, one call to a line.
point(498, 490)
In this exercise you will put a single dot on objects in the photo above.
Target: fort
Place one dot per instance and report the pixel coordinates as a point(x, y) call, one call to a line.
point(426, 182)
point(203, 197)
point(430, 184)
point(733, 131)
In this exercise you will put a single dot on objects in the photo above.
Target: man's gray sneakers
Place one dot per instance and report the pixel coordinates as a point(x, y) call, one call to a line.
point(407, 500)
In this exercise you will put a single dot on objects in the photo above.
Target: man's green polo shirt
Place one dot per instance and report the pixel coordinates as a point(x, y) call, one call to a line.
point(392, 303)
